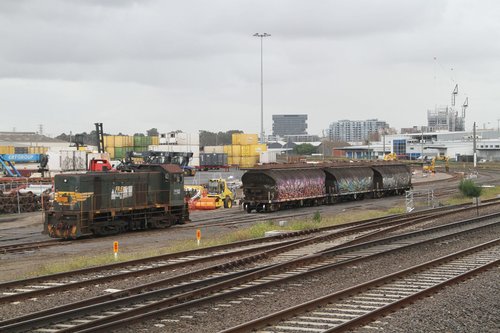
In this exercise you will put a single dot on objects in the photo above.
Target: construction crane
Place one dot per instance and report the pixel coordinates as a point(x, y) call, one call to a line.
point(100, 137)
point(465, 106)
point(454, 94)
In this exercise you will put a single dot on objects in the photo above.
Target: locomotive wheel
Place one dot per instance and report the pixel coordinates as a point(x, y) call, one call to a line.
point(248, 209)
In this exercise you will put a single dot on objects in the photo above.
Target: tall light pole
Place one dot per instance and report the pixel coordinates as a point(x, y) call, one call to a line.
point(261, 35)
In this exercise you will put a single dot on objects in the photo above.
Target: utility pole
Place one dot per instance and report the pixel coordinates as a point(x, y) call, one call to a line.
point(474, 144)
point(261, 35)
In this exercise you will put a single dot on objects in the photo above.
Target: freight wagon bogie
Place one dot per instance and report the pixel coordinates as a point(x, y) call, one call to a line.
point(109, 203)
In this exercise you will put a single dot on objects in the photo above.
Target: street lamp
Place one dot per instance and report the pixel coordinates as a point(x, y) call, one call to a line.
point(261, 35)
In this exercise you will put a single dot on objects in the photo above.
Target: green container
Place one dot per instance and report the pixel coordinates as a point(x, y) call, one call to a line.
point(121, 152)
point(140, 149)
point(140, 141)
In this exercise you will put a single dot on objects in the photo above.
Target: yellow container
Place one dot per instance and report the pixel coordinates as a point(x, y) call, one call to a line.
point(235, 150)
point(6, 149)
point(234, 160)
point(37, 150)
point(123, 141)
point(155, 140)
point(109, 141)
point(110, 151)
point(245, 139)
point(259, 148)
point(253, 150)
point(246, 151)
point(248, 162)
point(228, 150)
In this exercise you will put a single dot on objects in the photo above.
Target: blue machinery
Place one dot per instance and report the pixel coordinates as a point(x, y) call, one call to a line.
point(7, 162)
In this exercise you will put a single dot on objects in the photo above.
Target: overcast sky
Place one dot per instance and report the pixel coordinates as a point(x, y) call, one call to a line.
point(191, 65)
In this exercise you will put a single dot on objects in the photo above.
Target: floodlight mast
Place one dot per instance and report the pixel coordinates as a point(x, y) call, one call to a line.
point(261, 35)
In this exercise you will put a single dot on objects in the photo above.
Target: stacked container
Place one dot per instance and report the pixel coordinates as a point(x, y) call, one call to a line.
point(37, 150)
point(245, 150)
point(6, 149)
point(118, 145)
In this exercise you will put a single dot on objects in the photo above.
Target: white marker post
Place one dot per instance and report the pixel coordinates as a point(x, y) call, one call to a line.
point(198, 236)
point(115, 249)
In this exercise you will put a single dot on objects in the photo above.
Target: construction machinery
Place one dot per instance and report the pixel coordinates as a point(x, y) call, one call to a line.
point(161, 157)
point(431, 168)
point(217, 194)
point(391, 157)
point(97, 164)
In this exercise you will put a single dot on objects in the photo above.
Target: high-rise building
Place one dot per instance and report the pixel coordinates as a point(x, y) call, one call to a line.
point(289, 124)
point(445, 118)
point(355, 130)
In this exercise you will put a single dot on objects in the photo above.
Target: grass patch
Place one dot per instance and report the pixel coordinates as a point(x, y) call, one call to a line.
point(487, 193)
point(255, 231)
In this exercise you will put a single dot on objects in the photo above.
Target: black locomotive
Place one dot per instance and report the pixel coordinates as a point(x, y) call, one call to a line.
point(102, 203)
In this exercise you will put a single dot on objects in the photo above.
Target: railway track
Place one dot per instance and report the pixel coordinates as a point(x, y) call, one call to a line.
point(255, 250)
point(103, 316)
point(327, 237)
point(363, 303)
point(30, 246)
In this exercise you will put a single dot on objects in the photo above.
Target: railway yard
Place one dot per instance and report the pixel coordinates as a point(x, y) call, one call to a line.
point(428, 270)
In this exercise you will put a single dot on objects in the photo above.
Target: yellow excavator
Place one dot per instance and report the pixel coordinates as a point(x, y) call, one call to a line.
point(432, 167)
point(391, 157)
point(216, 195)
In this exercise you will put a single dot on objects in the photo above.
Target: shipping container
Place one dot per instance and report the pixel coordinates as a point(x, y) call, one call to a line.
point(248, 161)
point(213, 160)
point(7, 149)
point(20, 150)
point(227, 150)
point(155, 140)
point(268, 157)
point(195, 149)
point(109, 141)
point(215, 150)
point(244, 139)
point(234, 160)
point(110, 151)
point(120, 152)
point(140, 149)
point(252, 150)
point(141, 141)
point(37, 150)
point(124, 141)
point(235, 150)
point(72, 160)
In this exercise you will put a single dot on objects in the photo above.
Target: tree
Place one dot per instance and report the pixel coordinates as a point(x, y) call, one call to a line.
point(216, 139)
point(469, 189)
point(305, 149)
point(152, 132)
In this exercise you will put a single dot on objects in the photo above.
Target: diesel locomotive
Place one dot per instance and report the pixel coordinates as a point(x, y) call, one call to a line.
point(276, 187)
point(103, 203)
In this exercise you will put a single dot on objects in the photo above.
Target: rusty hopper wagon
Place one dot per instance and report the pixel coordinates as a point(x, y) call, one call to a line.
point(103, 203)
point(276, 187)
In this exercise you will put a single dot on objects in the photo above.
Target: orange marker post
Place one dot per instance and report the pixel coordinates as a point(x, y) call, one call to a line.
point(198, 236)
point(115, 249)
